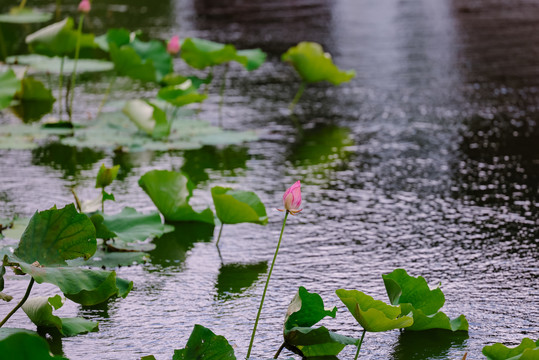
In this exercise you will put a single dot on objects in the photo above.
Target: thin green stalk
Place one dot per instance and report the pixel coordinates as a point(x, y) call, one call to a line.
point(23, 300)
point(60, 85)
point(219, 237)
point(360, 342)
point(266, 287)
point(74, 74)
point(58, 5)
point(278, 351)
point(297, 97)
point(107, 93)
point(22, 5)
point(103, 200)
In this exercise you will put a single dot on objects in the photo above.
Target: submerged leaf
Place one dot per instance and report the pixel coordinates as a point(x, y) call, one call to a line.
point(53, 236)
point(204, 344)
point(170, 192)
point(313, 64)
point(373, 315)
point(238, 206)
point(20, 344)
point(526, 350)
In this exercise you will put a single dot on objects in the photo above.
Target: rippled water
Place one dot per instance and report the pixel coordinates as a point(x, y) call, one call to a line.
point(427, 160)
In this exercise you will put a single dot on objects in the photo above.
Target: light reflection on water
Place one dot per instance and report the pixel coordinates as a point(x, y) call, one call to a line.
point(428, 160)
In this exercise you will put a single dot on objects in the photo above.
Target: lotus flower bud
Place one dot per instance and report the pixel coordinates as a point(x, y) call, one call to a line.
point(292, 199)
point(173, 46)
point(84, 6)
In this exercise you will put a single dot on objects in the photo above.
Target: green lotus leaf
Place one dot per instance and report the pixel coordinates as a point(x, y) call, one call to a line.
point(181, 94)
point(24, 16)
point(35, 100)
point(58, 39)
point(155, 52)
point(39, 310)
point(313, 64)
point(52, 65)
point(177, 79)
point(251, 59)
point(438, 320)
point(9, 85)
point(373, 315)
point(20, 344)
point(526, 350)
point(53, 236)
point(105, 175)
point(238, 206)
point(128, 63)
point(403, 288)
point(108, 259)
point(83, 286)
point(200, 53)
point(306, 309)
point(147, 117)
point(170, 192)
point(204, 344)
point(316, 342)
point(119, 37)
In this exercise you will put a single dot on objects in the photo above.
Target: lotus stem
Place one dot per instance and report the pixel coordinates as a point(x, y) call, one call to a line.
point(266, 287)
point(60, 84)
point(297, 97)
point(219, 236)
point(359, 345)
point(107, 93)
point(278, 351)
point(23, 300)
point(74, 73)
point(103, 199)
point(22, 5)
point(58, 5)
point(77, 201)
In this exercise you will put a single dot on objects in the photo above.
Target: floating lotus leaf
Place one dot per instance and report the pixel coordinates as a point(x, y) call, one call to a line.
point(306, 309)
point(200, 53)
point(9, 85)
point(58, 39)
point(148, 117)
point(313, 64)
point(204, 344)
point(238, 206)
point(170, 192)
point(251, 59)
point(24, 16)
point(41, 63)
point(526, 350)
point(39, 310)
point(56, 235)
point(181, 94)
point(373, 315)
point(20, 344)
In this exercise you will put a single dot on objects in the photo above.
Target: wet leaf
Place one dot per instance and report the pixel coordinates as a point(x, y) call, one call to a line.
point(306, 309)
point(181, 94)
point(39, 310)
point(33, 90)
point(200, 53)
point(112, 259)
point(148, 118)
point(105, 176)
point(20, 344)
point(313, 64)
point(155, 52)
point(9, 85)
point(238, 206)
point(438, 320)
point(41, 63)
point(317, 342)
point(24, 16)
point(526, 350)
point(119, 37)
point(170, 192)
point(56, 235)
point(373, 315)
point(128, 63)
point(251, 59)
point(204, 344)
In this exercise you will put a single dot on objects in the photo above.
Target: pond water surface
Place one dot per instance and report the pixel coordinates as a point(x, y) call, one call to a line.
point(428, 160)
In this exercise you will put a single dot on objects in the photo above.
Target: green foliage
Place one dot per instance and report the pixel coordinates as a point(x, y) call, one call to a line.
point(182, 94)
point(17, 15)
point(118, 37)
point(52, 65)
point(19, 344)
point(39, 310)
point(304, 311)
point(34, 90)
point(148, 118)
point(373, 315)
point(204, 344)
point(170, 192)
point(526, 350)
point(251, 59)
point(58, 39)
point(106, 176)
point(9, 85)
point(314, 65)
point(56, 235)
point(238, 206)
point(415, 296)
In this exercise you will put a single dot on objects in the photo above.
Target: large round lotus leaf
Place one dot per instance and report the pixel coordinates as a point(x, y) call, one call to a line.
point(251, 59)
point(41, 63)
point(313, 64)
point(119, 37)
point(130, 225)
point(24, 16)
point(20, 344)
point(9, 85)
point(56, 235)
point(306, 309)
point(238, 206)
point(155, 52)
point(204, 344)
point(373, 315)
point(170, 191)
point(526, 350)
point(128, 63)
point(200, 53)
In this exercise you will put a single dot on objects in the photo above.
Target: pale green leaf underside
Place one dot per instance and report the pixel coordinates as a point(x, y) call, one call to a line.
point(238, 206)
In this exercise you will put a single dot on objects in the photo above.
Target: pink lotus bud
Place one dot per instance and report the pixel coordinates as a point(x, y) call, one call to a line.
point(84, 6)
point(173, 46)
point(292, 199)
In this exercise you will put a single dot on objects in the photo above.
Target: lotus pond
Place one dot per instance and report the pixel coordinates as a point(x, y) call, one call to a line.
point(419, 156)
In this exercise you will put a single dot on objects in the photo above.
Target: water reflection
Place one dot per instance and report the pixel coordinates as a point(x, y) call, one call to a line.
point(53, 337)
point(432, 344)
point(234, 279)
point(71, 160)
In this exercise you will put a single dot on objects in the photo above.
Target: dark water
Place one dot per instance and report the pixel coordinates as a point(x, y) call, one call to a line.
point(427, 160)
